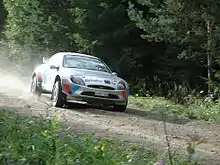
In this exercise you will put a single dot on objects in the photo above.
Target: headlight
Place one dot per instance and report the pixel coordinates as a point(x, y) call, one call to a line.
point(77, 80)
point(121, 85)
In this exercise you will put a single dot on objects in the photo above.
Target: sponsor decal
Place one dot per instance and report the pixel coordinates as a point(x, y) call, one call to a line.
point(107, 81)
point(67, 88)
point(123, 93)
point(93, 80)
point(39, 77)
point(114, 82)
point(74, 89)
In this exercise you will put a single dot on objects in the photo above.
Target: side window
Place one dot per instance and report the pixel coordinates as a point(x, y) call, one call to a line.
point(65, 61)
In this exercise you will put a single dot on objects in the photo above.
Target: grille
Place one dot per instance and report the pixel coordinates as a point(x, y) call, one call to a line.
point(101, 87)
point(88, 93)
point(110, 96)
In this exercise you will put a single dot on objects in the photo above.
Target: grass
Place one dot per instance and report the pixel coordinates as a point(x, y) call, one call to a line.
point(35, 141)
point(193, 108)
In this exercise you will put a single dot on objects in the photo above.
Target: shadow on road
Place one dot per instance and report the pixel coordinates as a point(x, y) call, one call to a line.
point(150, 115)
point(130, 111)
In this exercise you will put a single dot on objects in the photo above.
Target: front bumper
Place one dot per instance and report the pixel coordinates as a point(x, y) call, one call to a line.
point(95, 95)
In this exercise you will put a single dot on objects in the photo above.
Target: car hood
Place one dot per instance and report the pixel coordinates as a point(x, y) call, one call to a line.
point(93, 77)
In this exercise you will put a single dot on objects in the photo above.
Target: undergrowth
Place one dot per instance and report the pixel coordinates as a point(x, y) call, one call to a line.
point(193, 108)
point(33, 140)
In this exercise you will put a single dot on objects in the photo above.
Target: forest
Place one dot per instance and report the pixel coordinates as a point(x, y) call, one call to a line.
point(166, 48)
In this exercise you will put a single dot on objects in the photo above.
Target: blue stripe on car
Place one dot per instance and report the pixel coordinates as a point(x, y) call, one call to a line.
point(74, 89)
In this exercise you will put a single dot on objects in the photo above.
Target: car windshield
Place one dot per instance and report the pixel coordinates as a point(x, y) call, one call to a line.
point(84, 63)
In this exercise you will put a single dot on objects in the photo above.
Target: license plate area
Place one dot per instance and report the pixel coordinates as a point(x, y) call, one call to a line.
point(103, 94)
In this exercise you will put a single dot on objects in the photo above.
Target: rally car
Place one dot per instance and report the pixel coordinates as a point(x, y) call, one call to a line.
point(70, 76)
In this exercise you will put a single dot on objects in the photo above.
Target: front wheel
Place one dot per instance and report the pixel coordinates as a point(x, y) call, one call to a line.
point(120, 108)
point(57, 96)
point(35, 91)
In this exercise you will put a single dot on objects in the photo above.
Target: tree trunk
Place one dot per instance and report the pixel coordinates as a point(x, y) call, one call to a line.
point(209, 56)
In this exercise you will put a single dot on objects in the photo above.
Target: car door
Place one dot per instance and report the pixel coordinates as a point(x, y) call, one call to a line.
point(52, 71)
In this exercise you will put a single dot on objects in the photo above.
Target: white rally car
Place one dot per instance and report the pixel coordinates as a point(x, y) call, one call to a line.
point(71, 76)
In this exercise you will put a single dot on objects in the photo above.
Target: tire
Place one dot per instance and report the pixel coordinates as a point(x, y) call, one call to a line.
point(57, 97)
point(120, 108)
point(35, 91)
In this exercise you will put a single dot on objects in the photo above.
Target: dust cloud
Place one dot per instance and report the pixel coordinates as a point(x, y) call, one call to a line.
point(12, 80)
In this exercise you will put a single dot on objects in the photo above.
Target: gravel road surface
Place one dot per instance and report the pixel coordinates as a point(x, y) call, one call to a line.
point(138, 126)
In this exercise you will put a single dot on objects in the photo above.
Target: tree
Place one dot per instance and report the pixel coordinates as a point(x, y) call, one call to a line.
point(192, 26)
point(2, 15)
point(34, 28)
point(104, 29)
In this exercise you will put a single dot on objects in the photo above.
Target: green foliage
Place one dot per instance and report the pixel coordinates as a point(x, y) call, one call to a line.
point(160, 47)
point(33, 140)
point(2, 16)
point(178, 22)
point(189, 26)
point(31, 30)
point(97, 27)
point(193, 108)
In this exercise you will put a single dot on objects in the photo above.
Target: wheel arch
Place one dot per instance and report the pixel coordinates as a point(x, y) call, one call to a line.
point(33, 75)
point(38, 75)
point(57, 78)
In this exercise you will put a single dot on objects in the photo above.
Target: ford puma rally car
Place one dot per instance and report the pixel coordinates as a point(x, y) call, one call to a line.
point(71, 76)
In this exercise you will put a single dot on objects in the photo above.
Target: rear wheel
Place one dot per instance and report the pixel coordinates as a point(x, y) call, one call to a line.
point(57, 96)
point(35, 91)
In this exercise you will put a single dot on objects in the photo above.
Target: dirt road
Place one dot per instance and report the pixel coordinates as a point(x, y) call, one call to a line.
point(138, 126)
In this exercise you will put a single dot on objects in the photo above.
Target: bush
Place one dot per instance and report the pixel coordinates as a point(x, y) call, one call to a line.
point(32, 140)
point(193, 108)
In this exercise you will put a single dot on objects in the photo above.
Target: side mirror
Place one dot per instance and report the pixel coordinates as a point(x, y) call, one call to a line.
point(54, 67)
point(45, 60)
point(115, 74)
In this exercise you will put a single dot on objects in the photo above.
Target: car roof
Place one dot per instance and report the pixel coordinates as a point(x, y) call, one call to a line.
point(75, 54)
